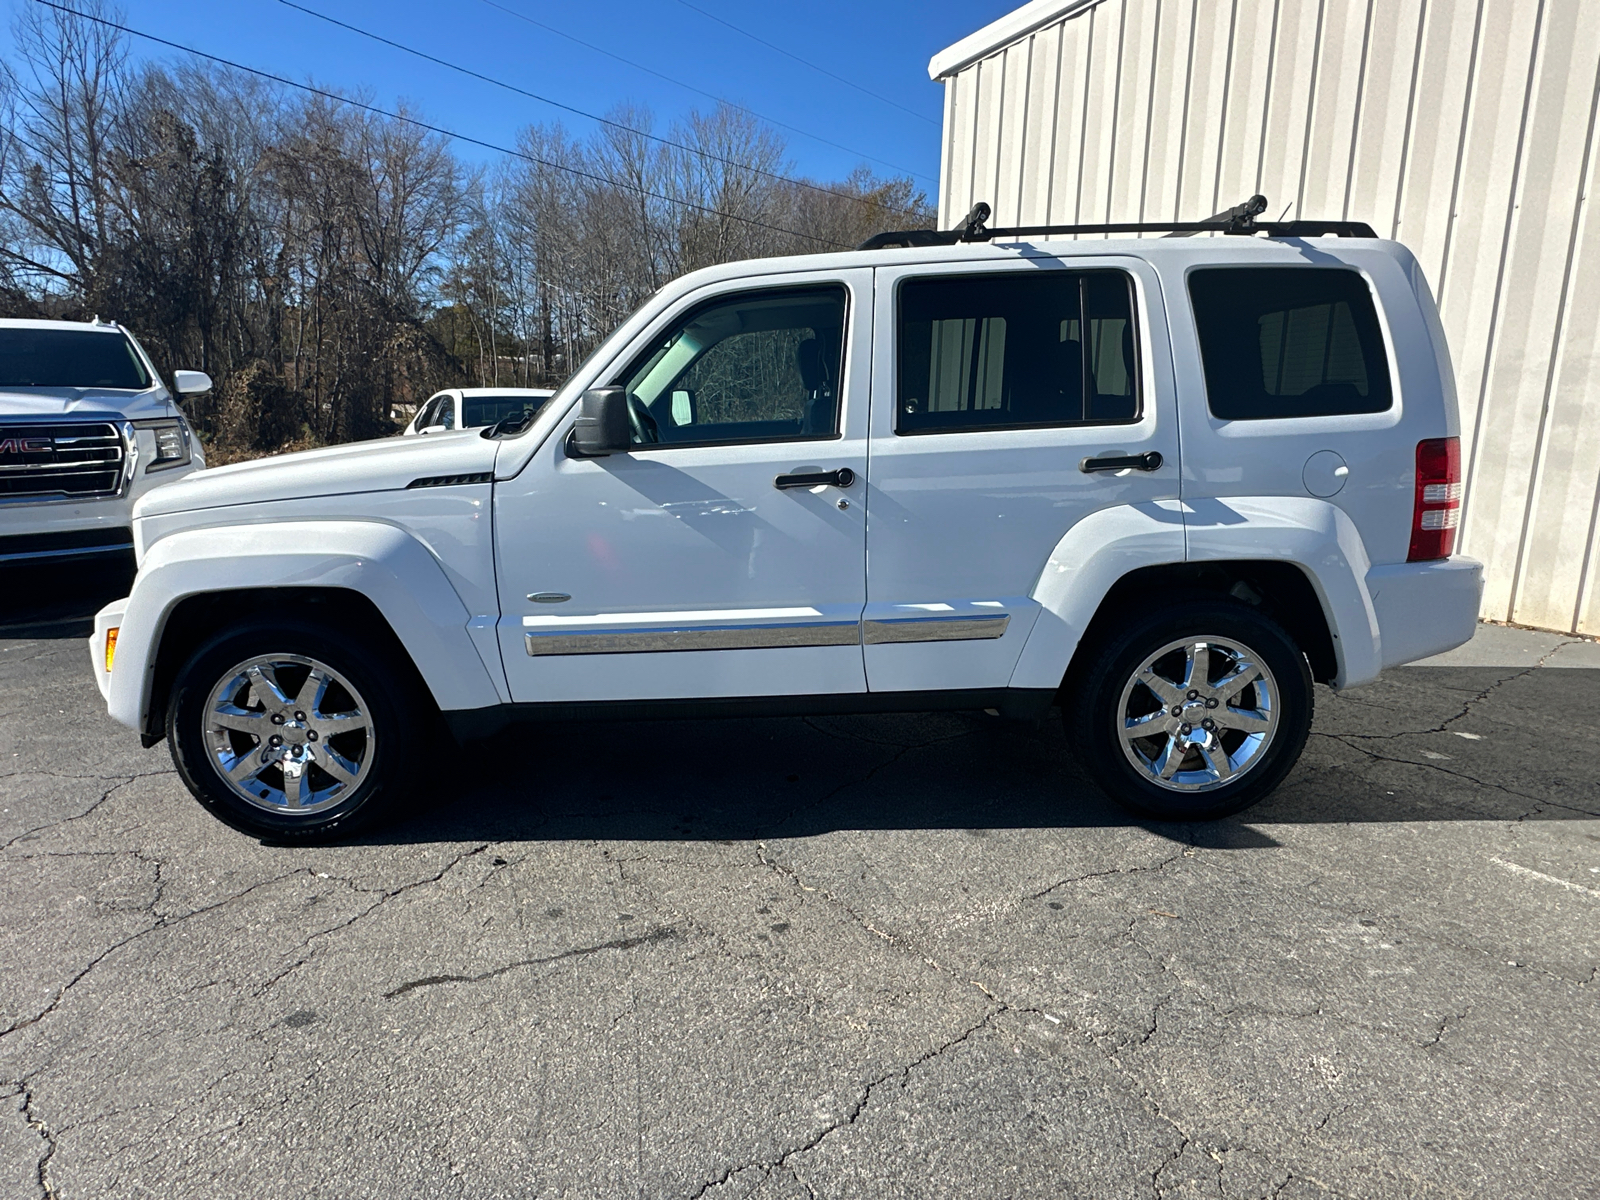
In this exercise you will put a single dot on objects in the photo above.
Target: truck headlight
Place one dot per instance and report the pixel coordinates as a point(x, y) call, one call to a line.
point(172, 444)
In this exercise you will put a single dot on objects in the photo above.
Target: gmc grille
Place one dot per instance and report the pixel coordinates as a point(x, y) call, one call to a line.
point(78, 459)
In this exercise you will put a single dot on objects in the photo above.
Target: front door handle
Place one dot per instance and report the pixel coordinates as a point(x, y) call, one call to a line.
point(1150, 461)
point(843, 477)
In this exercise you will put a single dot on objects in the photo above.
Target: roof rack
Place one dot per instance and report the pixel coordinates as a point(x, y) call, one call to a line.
point(1239, 220)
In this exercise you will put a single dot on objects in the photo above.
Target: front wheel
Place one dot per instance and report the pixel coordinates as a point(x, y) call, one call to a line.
point(293, 733)
point(1192, 713)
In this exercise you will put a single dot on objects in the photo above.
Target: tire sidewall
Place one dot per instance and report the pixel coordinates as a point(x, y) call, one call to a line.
point(382, 691)
point(1097, 716)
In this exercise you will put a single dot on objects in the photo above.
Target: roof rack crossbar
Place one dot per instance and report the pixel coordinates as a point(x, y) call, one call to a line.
point(1239, 220)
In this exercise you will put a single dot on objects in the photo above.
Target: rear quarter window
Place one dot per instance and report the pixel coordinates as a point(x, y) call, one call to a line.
point(1289, 342)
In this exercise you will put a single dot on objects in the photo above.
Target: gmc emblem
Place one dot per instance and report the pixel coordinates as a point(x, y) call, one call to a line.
point(26, 446)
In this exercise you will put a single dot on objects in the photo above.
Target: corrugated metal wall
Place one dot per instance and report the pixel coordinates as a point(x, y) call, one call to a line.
point(1464, 128)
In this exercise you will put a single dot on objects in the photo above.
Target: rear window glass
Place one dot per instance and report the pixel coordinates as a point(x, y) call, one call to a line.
point(74, 358)
point(491, 410)
point(1289, 342)
point(1009, 352)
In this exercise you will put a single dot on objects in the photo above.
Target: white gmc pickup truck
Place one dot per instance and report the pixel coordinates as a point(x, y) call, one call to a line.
point(86, 429)
point(1162, 484)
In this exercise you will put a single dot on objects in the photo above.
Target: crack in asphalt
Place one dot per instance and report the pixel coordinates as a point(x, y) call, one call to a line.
point(47, 1188)
point(123, 781)
point(1469, 705)
point(854, 1112)
point(1540, 803)
point(1160, 866)
point(655, 936)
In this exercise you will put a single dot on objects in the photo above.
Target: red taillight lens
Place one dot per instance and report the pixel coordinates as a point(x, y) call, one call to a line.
point(1437, 511)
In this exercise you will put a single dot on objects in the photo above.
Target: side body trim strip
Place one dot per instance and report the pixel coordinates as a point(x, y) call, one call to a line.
point(690, 637)
point(877, 631)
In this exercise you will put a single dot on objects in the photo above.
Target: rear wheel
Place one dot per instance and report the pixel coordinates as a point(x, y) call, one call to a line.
point(1192, 713)
point(294, 733)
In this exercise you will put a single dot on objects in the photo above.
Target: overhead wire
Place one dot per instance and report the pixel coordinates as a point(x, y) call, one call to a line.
point(511, 87)
point(710, 16)
point(439, 129)
point(699, 91)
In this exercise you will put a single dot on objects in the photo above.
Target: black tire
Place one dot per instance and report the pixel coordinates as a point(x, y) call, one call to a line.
point(390, 698)
point(1102, 696)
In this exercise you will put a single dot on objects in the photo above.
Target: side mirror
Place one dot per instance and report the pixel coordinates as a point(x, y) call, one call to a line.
point(602, 426)
point(191, 383)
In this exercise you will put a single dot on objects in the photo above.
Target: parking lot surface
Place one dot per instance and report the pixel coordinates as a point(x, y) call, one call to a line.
point(906, 956)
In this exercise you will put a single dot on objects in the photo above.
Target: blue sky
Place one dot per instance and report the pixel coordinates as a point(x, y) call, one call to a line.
point(881, 45)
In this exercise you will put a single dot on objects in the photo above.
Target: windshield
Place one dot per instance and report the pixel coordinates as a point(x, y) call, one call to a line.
point(490, 410)
point(75, 358)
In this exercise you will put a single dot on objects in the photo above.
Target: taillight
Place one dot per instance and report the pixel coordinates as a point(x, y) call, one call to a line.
point(1437, 511)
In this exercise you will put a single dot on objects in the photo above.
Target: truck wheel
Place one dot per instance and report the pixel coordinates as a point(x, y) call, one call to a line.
point(1191, 713)
point(294, 732)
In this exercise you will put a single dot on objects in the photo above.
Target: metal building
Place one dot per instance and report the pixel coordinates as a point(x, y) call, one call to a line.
point(1464, 128)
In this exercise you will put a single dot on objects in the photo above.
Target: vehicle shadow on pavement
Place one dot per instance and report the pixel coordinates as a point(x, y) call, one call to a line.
point(1420, 744)
point(59, 600)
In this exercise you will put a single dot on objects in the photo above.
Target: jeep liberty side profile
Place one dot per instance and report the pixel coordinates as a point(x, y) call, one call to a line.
point(1161, 484)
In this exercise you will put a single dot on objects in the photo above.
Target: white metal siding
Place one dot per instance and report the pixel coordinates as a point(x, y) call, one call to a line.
point(1464, 128)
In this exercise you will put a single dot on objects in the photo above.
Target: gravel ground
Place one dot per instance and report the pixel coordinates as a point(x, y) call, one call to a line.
point(875, 956)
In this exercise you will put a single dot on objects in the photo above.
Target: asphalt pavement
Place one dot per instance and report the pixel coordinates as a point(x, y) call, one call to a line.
point(909, 956)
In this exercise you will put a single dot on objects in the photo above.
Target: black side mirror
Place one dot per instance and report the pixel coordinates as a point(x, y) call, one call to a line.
point(602, 426)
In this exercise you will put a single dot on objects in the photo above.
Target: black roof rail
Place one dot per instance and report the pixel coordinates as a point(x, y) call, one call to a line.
point(1239, 220)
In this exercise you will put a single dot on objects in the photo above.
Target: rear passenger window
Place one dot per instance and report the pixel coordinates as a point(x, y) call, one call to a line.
point(1289, 342)
point(1009, 351)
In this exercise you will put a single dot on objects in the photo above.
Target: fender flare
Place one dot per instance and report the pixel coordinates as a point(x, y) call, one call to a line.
point(1320, 539)
point(382, 562)
point(1084, 566)
point(1107, 545)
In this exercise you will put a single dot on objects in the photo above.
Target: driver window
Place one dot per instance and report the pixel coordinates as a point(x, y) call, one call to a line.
point(446, 415)
point(756, 367)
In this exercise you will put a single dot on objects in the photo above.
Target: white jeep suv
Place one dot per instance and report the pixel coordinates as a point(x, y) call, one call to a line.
point(1162, 484)
point(86, 428)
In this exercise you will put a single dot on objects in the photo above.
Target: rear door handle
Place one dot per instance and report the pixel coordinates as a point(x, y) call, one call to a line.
point(843, 477)
point(1150, 461)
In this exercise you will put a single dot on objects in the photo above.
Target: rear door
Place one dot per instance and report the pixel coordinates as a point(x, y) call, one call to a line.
point(996, 387)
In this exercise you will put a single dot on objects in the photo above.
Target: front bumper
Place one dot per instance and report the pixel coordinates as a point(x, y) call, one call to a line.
point(1425, 608)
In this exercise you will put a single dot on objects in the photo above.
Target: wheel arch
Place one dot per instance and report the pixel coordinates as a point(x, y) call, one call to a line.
point(1301, 560)
point(374, 579)
point(196, 619)
point(1278, 589)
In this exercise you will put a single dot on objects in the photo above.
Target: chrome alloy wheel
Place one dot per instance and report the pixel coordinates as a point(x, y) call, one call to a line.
point(288, 734)
point(1198, 714)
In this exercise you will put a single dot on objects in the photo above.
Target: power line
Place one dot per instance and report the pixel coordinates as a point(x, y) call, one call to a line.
point(807, 63)
point(638, 66)
point(510, 87)
point(440, 130)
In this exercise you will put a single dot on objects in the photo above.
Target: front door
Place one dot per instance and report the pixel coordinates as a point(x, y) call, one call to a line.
point(724, 554)
point(1003, 395)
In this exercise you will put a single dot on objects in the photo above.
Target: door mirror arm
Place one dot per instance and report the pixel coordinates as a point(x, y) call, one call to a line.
point(602, 426)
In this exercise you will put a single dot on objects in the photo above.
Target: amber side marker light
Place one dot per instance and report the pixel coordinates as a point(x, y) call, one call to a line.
point(111, 646)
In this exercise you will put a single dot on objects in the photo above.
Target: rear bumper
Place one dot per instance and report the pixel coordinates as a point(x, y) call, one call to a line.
point(1425, 608)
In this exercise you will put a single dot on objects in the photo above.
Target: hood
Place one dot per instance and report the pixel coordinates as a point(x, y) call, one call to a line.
point(74, 404)
point(385, 465)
